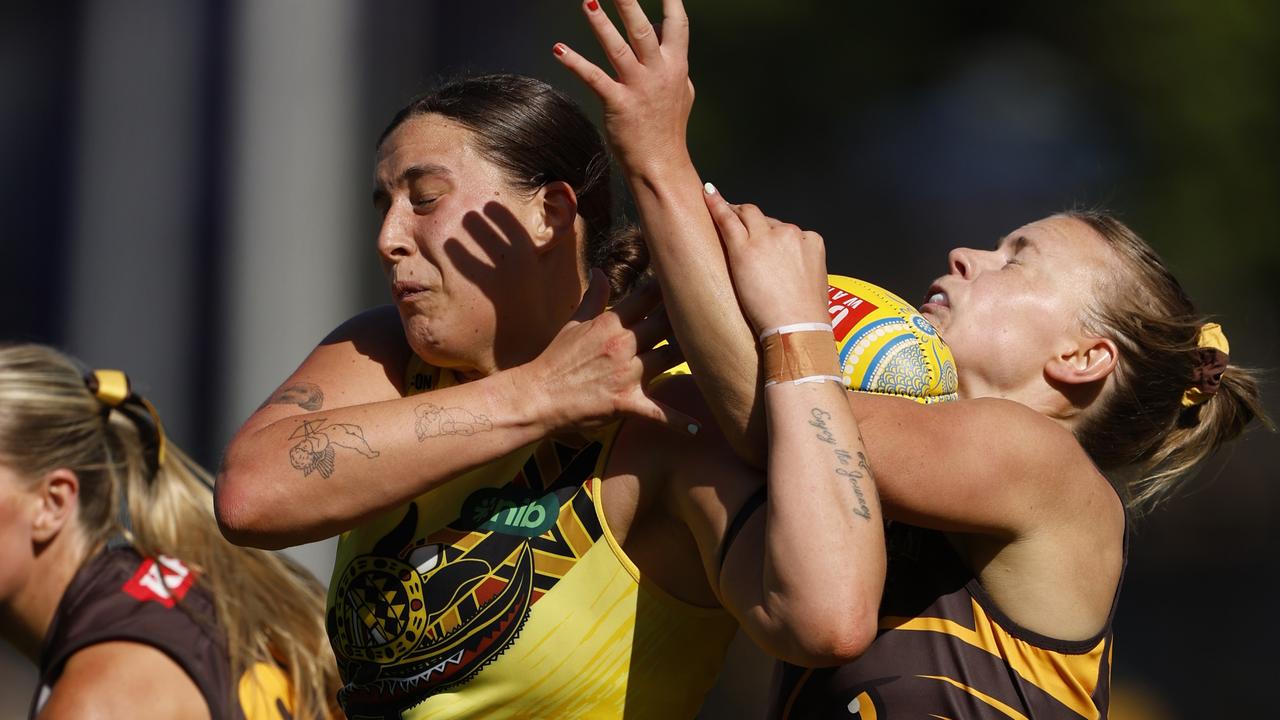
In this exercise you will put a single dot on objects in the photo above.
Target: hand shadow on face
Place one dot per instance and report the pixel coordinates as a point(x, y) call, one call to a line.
point(509, 252)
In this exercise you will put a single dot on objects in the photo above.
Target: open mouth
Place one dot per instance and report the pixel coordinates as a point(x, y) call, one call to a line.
point(936, 297)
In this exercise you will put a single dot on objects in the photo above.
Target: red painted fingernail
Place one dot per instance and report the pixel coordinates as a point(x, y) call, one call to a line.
point(559, 49)
point(592, 5)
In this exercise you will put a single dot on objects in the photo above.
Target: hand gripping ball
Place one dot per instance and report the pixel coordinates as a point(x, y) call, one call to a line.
point(885, 346)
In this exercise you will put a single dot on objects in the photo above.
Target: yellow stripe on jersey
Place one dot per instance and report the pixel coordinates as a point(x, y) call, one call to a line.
point(1010, 712)
point(1069, 678)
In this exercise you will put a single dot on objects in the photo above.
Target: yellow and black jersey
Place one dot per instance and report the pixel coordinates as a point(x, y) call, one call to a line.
point(504, 594)
point(944, 650)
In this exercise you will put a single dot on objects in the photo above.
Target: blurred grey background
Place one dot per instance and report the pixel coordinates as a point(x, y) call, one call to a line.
point(184, 194)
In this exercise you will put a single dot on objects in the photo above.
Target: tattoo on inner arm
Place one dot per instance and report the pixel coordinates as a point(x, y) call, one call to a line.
point(305, 395)
point(847, 468)
point(434, 421)
point(314, 451)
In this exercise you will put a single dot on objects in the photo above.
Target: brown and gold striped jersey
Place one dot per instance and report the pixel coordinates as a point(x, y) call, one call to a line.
point(944, 650)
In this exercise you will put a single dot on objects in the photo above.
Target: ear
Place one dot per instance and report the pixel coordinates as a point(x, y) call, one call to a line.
point(1090, 360)
point(557, 207)
point(59, 494)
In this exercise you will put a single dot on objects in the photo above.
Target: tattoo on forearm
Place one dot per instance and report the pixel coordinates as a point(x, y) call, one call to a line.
point(855, 475)
point(434, 421)
point(847, 468)
point(314, 451)
point(305, 395)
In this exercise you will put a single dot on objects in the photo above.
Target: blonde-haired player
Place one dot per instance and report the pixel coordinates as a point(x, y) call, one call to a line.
point(114, 578)
point(1088, 384)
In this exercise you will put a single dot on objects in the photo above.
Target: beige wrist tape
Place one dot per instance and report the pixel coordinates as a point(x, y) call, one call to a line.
point(799, 357)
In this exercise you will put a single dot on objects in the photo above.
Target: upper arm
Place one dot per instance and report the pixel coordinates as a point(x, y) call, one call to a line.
point(362, 361)
point(123, 680)
point(984, 465)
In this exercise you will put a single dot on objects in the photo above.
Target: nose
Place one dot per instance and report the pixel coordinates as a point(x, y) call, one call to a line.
point(395, 237)
point(968, 263)
point(962, 262)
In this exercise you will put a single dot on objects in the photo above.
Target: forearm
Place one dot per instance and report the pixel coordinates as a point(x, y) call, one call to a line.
point(824, 560)
point(717, 342)
point(310, 476)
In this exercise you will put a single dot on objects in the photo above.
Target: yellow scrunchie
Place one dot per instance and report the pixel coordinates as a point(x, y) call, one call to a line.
point(1211, 336)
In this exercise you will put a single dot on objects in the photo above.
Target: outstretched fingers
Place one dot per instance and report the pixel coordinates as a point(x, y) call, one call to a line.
point(588, 72)
point(644, 41)
point(620, 54)
point(675, 26)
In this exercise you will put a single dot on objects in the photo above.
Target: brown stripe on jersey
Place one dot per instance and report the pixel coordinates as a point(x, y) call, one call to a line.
point(915, 675)
point(944, 651)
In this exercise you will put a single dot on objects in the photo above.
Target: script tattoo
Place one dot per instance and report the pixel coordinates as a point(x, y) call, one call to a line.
point(847, 468)
point(434, 421)
point(316, 442)
point(305, 395)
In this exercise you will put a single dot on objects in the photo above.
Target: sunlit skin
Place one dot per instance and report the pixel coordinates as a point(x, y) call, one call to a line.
point(1010, 313)
point(40, 549)
point(469, 259)
point(1001, 474)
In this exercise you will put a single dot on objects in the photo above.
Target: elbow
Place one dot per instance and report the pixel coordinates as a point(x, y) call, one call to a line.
point(241, 512)
point(837, 639)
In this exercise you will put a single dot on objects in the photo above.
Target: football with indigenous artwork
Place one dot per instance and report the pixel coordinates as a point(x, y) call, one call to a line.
point(887, 347)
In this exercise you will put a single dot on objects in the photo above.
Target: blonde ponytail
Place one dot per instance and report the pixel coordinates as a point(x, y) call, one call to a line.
point(1143, 434)
point(270, 609)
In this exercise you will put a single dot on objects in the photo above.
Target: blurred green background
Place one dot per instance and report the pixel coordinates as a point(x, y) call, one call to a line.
point(185, 195)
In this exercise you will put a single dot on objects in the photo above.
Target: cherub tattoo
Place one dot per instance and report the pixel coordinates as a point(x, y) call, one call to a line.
point(434, 421)
point(314, 451)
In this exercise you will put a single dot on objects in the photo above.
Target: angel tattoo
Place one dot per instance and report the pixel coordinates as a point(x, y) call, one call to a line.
point(315, 448)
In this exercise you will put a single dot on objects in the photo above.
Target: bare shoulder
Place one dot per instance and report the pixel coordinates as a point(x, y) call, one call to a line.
point(124, 680)
point(1048, 451)
point(362, 360)
point(369, 344)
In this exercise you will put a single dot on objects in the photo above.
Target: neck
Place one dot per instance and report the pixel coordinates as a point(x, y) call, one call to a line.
point(1039, 396)
point(550, 304)
point(25, 618)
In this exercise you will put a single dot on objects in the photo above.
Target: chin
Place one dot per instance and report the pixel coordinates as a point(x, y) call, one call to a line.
point(435, 345)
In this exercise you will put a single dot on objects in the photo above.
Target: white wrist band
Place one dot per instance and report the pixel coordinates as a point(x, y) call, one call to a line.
point(795, 327)
point(808, 379)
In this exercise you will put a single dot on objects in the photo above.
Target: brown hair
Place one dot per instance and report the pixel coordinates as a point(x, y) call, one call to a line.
point(538, 135)
point(1141, 431)
point(270, 609)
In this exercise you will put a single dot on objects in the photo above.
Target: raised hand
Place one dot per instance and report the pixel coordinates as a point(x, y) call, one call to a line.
point(779, 271)
point(646, 109)
point(597, 367)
